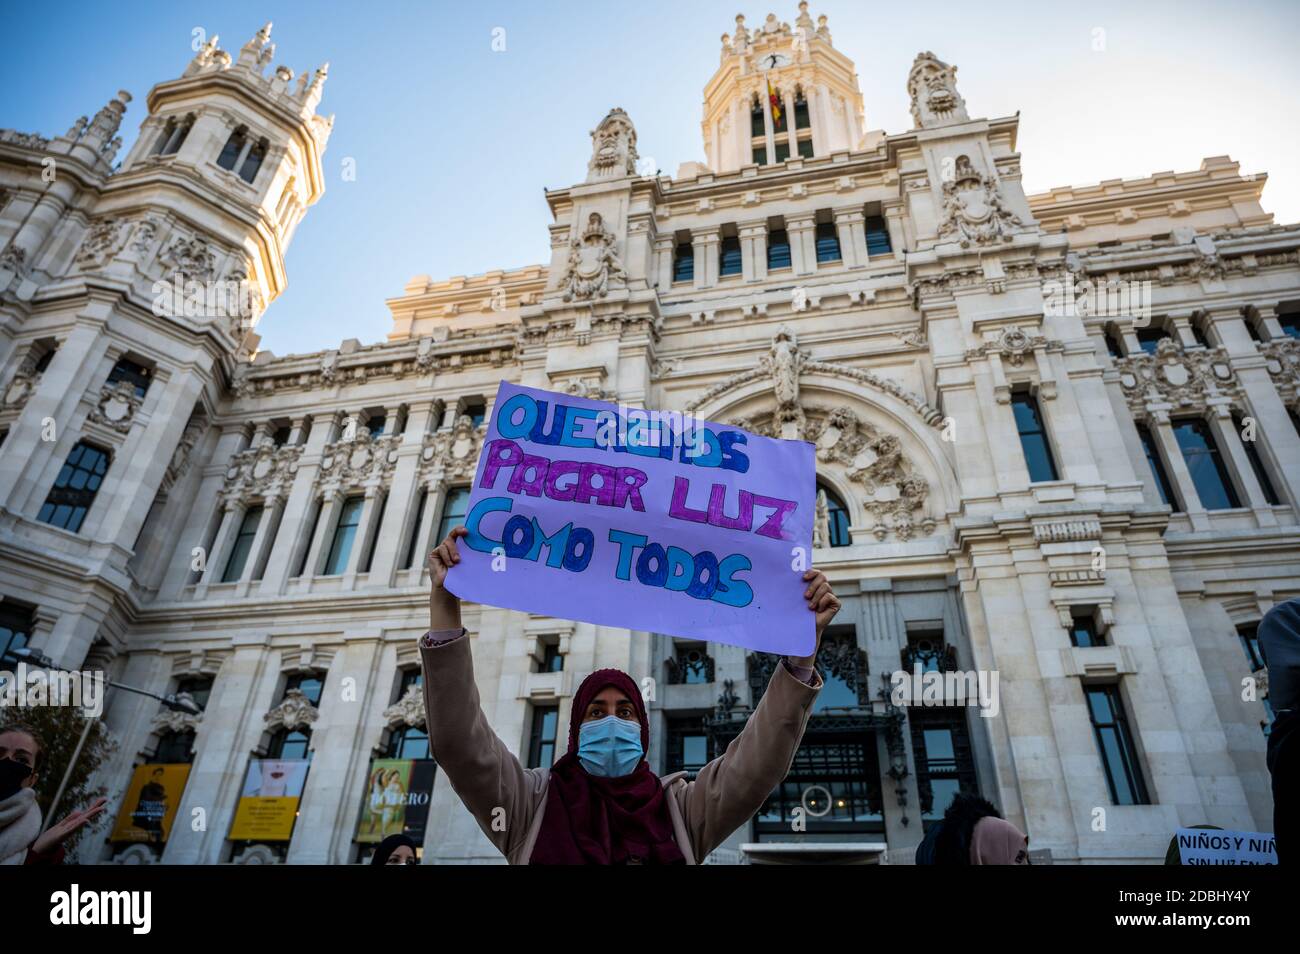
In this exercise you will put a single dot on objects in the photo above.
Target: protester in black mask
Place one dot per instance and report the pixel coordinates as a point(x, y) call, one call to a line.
point(21, 840)
point(395, 850)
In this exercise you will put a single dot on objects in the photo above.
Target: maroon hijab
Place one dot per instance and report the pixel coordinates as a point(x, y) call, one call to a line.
point(602, 821)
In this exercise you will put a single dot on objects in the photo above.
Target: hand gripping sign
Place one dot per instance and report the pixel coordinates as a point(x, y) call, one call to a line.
point(644, 520)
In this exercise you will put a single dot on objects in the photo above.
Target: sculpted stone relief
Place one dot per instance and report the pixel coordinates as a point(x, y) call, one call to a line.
point(1185, 379)
point(593, 262)
point(973, 210)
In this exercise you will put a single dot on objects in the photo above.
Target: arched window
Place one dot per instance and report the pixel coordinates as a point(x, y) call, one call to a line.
point(831, 509)
point(173, 135)
point(243, 154)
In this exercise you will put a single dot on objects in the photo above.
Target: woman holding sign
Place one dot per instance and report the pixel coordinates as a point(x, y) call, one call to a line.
point(600, 803)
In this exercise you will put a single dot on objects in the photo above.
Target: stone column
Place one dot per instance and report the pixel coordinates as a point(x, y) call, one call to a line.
point(895, 222)
point(1234, 451)
point(403, 494)
point(26, 452)
point(331, 504)
point(289, 544)
point(791, 133)
point(803, 250)
point(232, 514)
point(231, 729)
point(753, 250)
point(341, 741)
point(850, 226)
point(705, 243)
point(769, 131)
point(1163, 432)
point(665, 247)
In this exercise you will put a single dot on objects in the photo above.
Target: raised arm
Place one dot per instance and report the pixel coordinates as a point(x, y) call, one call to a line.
point(499, 792)
point(730, 789)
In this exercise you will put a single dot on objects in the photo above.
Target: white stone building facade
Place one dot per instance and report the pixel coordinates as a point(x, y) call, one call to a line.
point(1095, 503)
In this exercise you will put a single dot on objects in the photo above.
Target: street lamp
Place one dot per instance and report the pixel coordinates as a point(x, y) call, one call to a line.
point(177, 703)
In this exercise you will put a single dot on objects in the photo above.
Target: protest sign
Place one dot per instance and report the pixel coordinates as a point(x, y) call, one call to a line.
point(646, 520)
point(1200, 846)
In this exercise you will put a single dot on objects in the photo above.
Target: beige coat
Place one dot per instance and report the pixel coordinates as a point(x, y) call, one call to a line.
point(508, 800)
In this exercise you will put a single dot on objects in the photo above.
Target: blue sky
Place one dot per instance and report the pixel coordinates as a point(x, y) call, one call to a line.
point(453, 142)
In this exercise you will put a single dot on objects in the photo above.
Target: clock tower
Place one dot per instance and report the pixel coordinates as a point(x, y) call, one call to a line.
point(780, 92)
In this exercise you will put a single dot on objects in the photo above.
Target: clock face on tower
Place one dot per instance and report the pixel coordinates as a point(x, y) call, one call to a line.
point(774, 61)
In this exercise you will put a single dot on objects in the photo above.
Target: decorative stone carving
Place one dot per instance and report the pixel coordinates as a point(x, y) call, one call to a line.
point(103, 240)
point(25, 379)
point(408, 710)
point(1068, 531)
point(180, 461)
point(295, 712)
point(260, 472)
point(170, 720)
point(1183, 379)
point(932, 86)
point(973, 211)
point(613, 147)
point(1013, 344)
point(363, 461)
point(117, 406)
point(803, 364)
point(453, 455)
point(1282, 360)
point(589, 388)
point(189, 260)
point(593, 261)
point(142, 238)
point(892, 491)
point(257, 854)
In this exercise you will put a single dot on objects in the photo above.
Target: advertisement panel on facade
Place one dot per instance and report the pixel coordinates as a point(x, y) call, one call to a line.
point(396, 799)
point(150, 804)
point(268, 803)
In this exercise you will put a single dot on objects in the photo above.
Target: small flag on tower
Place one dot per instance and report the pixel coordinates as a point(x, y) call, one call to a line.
point(776, 104)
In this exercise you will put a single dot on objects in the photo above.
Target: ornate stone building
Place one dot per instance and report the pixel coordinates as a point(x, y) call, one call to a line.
point(1095, 503)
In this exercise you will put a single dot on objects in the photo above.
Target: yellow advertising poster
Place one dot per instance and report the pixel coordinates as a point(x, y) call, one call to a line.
point(150, 803)
point(268, 804)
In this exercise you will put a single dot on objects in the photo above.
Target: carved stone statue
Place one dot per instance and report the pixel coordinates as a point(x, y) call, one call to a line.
point(613, 148)
point(932, 85)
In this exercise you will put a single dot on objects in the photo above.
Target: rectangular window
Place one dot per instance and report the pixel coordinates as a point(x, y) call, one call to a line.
point(1205, 463)
point(828, 243)
point(415, 531)
point(729, 259)
point(759, 155)
point(243, 545)
point(806, 148)
point(945, 763)
point(75, 488)
point(1256, 462)
point(1083, 632)
point(756, 127)
point(16, 622)
point(1149, 338)
point(552, 659)
point(476, 411)
point(1290, 322)
point(782, 150)
point(1115, 743)
point(311, 536)
point(453, 512)
point(778, 250)
point(877, 237)
point(688, 745)
point(1033, 438)
point(801, 120)
point(684, 262)
point(344, 535)
point(1157, 465)
point(374, 537)
point(1248, 633)
point(137, 375)
point(541, 742)
point(375, 424)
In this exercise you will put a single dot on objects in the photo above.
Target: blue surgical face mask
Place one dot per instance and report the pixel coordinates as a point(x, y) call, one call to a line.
point(609, 747)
